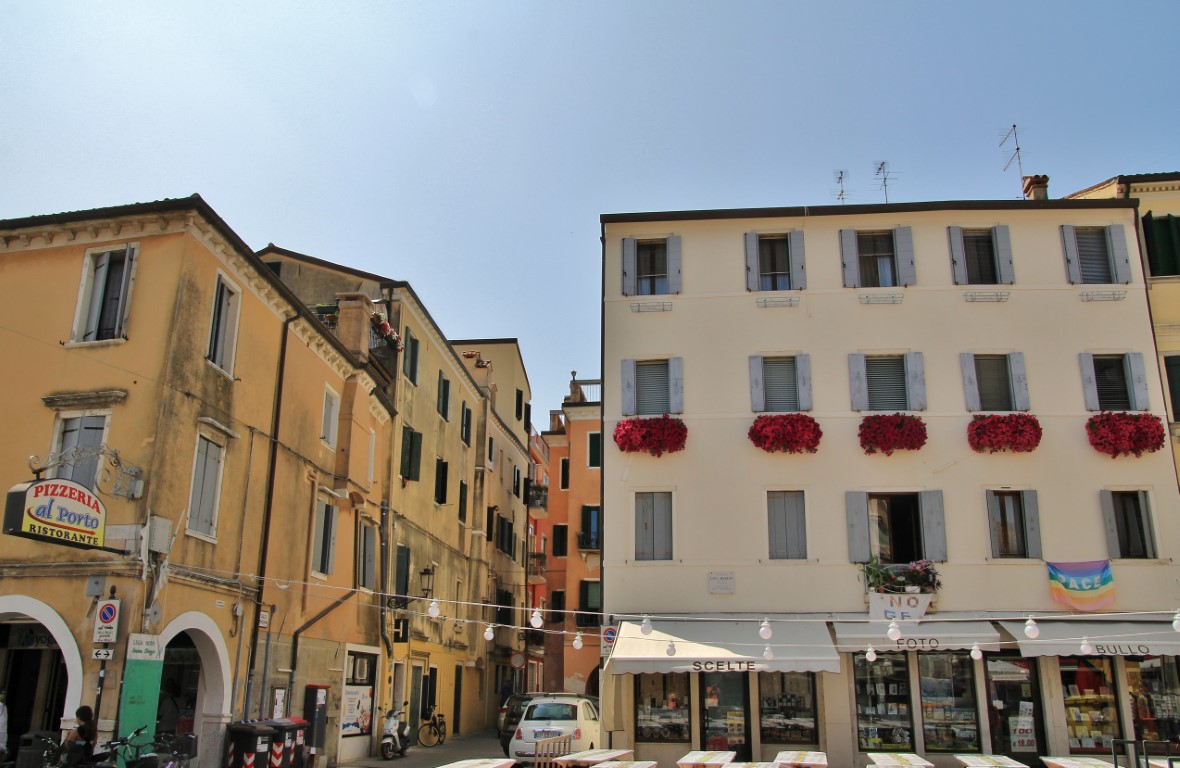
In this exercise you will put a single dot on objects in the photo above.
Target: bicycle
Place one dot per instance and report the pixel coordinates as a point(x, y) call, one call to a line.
point(434, 730)
point(179, 749)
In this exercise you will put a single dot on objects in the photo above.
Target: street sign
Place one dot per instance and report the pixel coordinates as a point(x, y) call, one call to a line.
point(609, 634)
point(106, 621)
point(102, 654)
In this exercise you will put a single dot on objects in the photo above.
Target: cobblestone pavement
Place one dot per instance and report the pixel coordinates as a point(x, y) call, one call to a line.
point(483, 744)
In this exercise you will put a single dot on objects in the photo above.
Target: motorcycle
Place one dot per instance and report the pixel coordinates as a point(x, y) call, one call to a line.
point(395, 736)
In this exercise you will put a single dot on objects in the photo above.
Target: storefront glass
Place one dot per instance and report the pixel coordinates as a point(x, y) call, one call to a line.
point(1090, 710)
point(949, 720)
point(788, 707)
point(723, 716)
point(1153, 685)
point(662, 712)
point(1014, 706)
point(883, 718)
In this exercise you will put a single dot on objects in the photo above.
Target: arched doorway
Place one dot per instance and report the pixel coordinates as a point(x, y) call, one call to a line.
point(196, 658)
point(180, 684)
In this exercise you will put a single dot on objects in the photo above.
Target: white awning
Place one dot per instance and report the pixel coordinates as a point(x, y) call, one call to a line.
point(723, 646)
point(853, 636)
point(1109, 638)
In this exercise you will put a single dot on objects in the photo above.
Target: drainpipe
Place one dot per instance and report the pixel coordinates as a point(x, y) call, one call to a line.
point(295, 635)
point(385, 575)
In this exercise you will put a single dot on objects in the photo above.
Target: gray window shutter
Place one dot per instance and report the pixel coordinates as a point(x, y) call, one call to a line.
point(1002, 242)
point(970, 385)
point(676, 385)
point(1112, 529)
point(993, 520)
point(629, 266)
point(776, 513)
point(858, 382)
point(803, 381)
point(849, 258)
point(1089, 384)
point(958, 255)
point(1148, 526)
point(1032, 525)
point(1116, 242)
point(628, 384)
point(644, 526)
point(1020, 401)
point(757, 390)
point(933, 526)
point(798, 261)
point(332, 520)
point(903, 249)
point(98, 279)
point(674, 264)
point(753, 267)
point(915, 381)
point(317, 543)
point(1137, 376)
point(796, 527)
point(1073, 264)
point(663, 525)
point(856, 505)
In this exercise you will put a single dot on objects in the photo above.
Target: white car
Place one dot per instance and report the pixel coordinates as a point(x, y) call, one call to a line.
point(548, 717)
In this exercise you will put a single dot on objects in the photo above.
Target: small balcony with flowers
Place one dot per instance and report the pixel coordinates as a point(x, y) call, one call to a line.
point(537, 564)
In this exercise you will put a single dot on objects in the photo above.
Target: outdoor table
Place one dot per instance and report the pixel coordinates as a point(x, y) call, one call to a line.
point(898, 758)
point(482, 762)
point(1161, 762)
point(628, 764)
point(705, 759)
point(751, 765)
point(1075, 762)
point(801, 759)
point(982, 761)
point(589, 757)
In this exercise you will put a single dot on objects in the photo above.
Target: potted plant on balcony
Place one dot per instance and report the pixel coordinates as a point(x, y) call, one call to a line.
point(886, 433)
point(1118, 433)
point(1015, 432)
point(383, 329)
point(785, 433)
point(918, 576)
point(666, 434)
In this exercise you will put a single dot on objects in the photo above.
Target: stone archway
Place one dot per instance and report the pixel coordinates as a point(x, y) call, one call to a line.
point(212, 710)
point(57, 627)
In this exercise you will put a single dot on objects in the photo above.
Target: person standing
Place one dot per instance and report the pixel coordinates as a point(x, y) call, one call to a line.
point(168, 709)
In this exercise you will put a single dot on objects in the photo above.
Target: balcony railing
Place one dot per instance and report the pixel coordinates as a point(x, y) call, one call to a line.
point(534, 638)
point(536, 567)
point(539, 497)
point(590, 540)
point(588, 619)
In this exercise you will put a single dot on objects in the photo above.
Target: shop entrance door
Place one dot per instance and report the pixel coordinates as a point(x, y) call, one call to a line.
point(725, 716)
point(1014, 707)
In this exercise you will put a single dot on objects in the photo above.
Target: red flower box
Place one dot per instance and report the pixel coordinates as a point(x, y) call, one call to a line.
point(892, 432)
point(785, 433)
point(1120, 433)
point(1015, 432)
point(655, 436)
point(382, 328)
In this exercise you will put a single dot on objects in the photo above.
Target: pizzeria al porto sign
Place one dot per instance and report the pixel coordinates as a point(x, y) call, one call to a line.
point(56, 511)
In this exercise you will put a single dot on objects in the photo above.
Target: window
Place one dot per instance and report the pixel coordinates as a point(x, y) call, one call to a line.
point(206, 490)
point(1128, 524)
point(780, 384)
point(84, 434)
point(1014, 522)
point(505, 536)
point(1096, 255)
point(994, 382)
point(884, 719)
point(565, 473)
point(895, 527)
point(557, 607)
point(372, 456)
point(440, 481)
point(1114, 382)
point(887, 382)
point(410, 356)
point(594, 449)
point(444, 397)
point(663, 708)
point(323, 553)
point(788, 707)
point(367, 562)
point(519, 405)
point(1153, 683)
point(653, 525)
point(786, 524)
point(653, 387)
point(950, 716)
point(462, 501)
point(105, 295)
point(589, 603)
point(590, 535)
point(775, 262)
point(329, 424)
point(411, 465)
point(491, 451)
point(1091, 697)
point(516, 481)
point(560, 540)
point(880, 259)
point(651, 267)
point(1161, 235)
point(981, 256)
point(223, 334)
point(465, 424)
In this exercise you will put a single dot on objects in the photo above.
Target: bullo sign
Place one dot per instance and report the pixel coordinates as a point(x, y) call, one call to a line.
point(56, 511)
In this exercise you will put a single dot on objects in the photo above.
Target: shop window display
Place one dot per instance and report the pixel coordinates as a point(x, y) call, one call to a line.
point(1153, 685)
point(662, 711)
point(788, 707)
point(949, 720)
point(1090, 710)
point(883, 719)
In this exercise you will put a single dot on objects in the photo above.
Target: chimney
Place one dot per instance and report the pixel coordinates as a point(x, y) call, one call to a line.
point(353, 326)
point(1036, 187)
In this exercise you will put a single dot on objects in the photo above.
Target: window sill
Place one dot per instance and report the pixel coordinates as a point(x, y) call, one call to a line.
point(881, 298)
point(206, 537)
point(652, 306)
point(73, 343)
point(319, 576)
point(767, 302)
point(219, 369)
point(1114, 295)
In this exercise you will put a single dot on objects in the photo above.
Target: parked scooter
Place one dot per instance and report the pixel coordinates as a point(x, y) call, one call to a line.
point(395, 737)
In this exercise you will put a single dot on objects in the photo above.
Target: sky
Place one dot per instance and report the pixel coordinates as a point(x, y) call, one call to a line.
point(469, 146)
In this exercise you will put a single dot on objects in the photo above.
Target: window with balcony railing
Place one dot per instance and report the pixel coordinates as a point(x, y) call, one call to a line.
point(589, 540)
point(539, 496)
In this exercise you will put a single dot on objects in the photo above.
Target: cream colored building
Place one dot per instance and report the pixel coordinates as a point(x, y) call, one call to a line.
point(941, 311)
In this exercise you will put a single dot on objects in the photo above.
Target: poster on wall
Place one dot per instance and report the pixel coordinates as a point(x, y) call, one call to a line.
point(1024, 738)
point(356, 710)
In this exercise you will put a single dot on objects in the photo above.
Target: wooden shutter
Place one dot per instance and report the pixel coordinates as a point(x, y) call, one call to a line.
point(662, 518)
point(1089, 382)
point(958, 255)
point(674, 264)
point(368, 556)
point(1032, 524)
point(858, 382)
point(915, 381)
point(1113, 550)
point(798, 261)
point(753, 266)
point(803, 381)
point(1073, 264)
point(970, 384)
point(675, 385)
point(1137, 378)
point(317, 544)
point(402, 576)
point(1020, 400)
point(1002, 242)
point(407, 451)
point(856, 507)
point(416, 456)
point(1148, 527)
point(757, 391)
point(849, 258)
point(333, 518)
point(786, 525)
point(628, 385)
point(1116, 242)
point(629, 266)
point(933, 526)
point(903, 251)
point(98, 280)
point(993, 520)
point(644, 526)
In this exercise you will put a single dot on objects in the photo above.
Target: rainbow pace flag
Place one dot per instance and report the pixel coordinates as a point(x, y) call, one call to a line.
point(1085, 586)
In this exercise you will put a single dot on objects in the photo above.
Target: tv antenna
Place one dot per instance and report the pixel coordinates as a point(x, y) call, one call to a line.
point(1011, 134)
point(842, 194)
point(883, 172)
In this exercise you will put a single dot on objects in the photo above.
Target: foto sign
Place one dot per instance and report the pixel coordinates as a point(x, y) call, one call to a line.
point(56, 511)
point(106, 621)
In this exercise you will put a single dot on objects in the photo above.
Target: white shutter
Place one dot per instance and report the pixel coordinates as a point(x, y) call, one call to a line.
point(958, 255)
point(1089, 382)
point(933, 526)
point(753, 267)
point(858, 382)
point(1116, 241)
point(1137, 379)
point(1073, 267)
point(856, 508)
point(1020, 401)
point(798, 261)
point(849, 258)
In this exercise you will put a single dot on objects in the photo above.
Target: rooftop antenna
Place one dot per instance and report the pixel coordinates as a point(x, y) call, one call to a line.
point(841, 195)
point(1015, 155)
point(883, 172)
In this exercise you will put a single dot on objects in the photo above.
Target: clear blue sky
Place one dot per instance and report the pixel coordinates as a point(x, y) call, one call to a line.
point(469, 146)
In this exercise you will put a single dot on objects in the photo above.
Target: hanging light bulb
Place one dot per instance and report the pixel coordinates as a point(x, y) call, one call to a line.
point(671, 649)
point(765, 631)
point(489, 634)
point(894, 632)
point(870, 655)
point(433, 611)
point(1086, 648)
point(536, 619)
point(645, 627)
point(767, 653)
point(1176, 621)
point(578, 642)
point(1031, 630)
point(975, 652)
